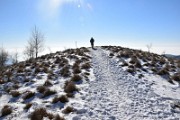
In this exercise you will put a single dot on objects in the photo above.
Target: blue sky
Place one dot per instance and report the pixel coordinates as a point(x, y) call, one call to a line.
point(127, 23)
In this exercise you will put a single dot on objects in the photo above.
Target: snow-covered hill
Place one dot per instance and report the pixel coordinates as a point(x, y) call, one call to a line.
point(109, 83)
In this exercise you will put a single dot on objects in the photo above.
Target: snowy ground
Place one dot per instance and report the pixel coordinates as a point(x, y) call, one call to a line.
point(116, 95)
point(110, 93)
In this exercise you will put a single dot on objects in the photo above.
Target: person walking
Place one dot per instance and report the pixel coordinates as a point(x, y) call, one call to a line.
point(92, 42)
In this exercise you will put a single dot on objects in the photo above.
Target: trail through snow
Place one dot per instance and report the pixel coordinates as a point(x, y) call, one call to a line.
point(116, 95)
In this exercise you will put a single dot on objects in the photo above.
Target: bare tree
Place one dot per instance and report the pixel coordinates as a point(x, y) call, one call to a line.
point(37, 41)
point(149, 47)
point(29, 51)
point(35, 44)
point(163, 53)
point(3, 57)
point(14, 57)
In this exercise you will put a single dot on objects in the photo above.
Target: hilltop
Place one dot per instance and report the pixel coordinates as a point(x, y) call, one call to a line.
point(110, 83)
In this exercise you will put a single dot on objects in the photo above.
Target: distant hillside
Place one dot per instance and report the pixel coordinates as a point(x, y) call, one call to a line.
point(173, 56)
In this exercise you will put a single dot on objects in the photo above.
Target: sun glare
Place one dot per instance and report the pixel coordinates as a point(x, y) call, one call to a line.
point(53, 8)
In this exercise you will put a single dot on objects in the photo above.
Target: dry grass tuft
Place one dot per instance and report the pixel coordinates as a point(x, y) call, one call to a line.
point(28, 95)
point(47, 83)
point(15, 93)
point(38, 114)
point(57, 117)
point(6, 110)
point(163, 71)
point(28, 105)
point(76, 78)
point(37, 70)
point(86, 65)
point(62, 99)
point(68, 110)
point(176, 77)
point(111, 55)
point(65, 71)
point(76, 69)
point(70, 87)
point(48, 92)
point(70, 95)
point(41, 89)
point(63, 62)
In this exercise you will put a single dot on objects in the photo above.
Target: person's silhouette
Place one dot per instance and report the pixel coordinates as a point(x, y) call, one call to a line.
point(92, 42)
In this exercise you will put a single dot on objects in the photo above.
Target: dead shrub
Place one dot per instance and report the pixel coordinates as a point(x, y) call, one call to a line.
point(45, 69)
point(163, 71)
point(48, 92)
point(138, 64)
point(62, 99)
point(140, 76)
point(76, 70)
point(38, 114)
point(84, 59)
point(162, 61)
point(37, 70)
point(6, 110)
point(170, 81)
point(50, 75)
point(76, 64)
point(76, 78)
point(111, 55)
point(28, 95)
point(68, 110)
point(124, 64)
point(130, 70)
point(27, 80)
point(16, 86)
point(58, 60)
point(20, 70)
point(178, 63)
point(41, 89)
point(47, 83)
point(53, 66)
point(86, 73)
point(15, 93)
point(57, 117)
point(28, 105)
point(72, 57)
point(84, 49)
point(70, 87)
point(86, 66)
point(63, 62)
point(133, 60)
point(147, 64)
point(79, 52)
point(124, 54)
point(176, 77)
point(70, 95)
point(65, 71)
point(154, 70)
